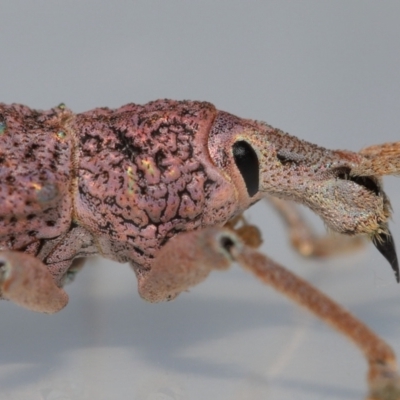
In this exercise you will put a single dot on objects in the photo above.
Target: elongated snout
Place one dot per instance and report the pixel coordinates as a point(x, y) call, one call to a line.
point(339, 186)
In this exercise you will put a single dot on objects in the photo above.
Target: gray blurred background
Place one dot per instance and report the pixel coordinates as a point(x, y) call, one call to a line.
point(327, 72)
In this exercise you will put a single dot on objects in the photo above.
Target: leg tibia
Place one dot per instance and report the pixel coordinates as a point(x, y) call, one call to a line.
point(383, 378)
point(188, 258)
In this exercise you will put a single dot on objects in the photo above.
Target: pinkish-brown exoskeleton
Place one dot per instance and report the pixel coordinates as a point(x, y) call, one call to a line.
point(163, 186)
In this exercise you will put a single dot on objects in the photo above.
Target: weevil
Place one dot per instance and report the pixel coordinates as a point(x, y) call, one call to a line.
point(163, 186)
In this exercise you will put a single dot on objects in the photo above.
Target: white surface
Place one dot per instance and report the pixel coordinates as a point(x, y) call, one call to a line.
point(325, 71)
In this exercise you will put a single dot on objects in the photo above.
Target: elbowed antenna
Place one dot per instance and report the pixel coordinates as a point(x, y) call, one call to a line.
point(385, 244)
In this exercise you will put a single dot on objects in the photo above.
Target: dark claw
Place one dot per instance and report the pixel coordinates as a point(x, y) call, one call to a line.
point(384, 243)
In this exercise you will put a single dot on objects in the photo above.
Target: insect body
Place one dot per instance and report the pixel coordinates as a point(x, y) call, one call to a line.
point(161, 186)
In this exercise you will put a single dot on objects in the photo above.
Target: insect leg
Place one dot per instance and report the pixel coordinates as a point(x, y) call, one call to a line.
point(189, 257)
point(26, 281)
point(183, 262)
point(383, 377)
point(248, 233)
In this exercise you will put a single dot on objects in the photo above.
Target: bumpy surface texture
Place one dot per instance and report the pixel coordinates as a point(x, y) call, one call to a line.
point(144, 175)
point(35, 176)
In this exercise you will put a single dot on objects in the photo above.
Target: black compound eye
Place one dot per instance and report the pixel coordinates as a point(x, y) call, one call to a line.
point(247, 162)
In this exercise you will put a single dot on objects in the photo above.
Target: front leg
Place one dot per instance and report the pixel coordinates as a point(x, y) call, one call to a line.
point(188, 258)
point(183, 262)
point(26, 281)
